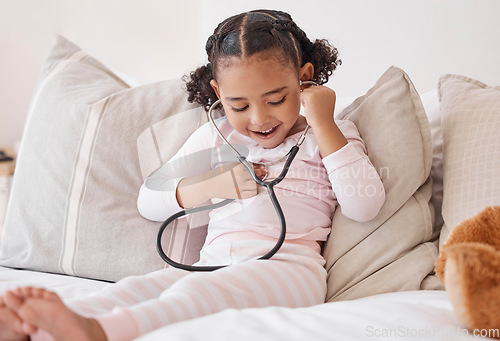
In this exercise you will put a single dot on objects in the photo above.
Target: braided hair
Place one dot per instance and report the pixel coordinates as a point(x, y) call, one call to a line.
point(246, 34)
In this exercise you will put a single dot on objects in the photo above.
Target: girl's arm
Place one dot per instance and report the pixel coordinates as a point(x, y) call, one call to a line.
point(231, 181)
point(157, 198)
point(188, 179)
point(355, 182)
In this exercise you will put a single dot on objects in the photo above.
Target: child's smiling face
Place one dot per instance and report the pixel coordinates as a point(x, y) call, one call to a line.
point(261, 97)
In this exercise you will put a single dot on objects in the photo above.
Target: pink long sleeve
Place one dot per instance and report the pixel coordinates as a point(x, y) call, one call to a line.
point(355, 182)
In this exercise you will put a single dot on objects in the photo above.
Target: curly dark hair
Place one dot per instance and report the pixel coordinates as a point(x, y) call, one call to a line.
point(246, 34)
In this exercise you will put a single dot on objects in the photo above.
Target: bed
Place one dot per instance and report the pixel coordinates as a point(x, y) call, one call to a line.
point(413, 315)
point(72, 224)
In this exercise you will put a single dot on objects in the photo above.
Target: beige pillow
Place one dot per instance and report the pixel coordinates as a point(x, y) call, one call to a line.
point(73, 207)
point(395, 250)
point(471, 148)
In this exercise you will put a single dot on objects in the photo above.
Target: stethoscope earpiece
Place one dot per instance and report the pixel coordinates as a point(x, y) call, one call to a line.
point(312, 83)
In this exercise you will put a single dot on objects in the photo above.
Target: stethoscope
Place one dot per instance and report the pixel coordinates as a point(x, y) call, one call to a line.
point(261, 182)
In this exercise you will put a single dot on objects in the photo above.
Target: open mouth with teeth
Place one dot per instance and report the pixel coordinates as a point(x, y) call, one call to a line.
point(266, 133)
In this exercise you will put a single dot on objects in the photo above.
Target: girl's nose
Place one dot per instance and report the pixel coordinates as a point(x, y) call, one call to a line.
point(259, 116)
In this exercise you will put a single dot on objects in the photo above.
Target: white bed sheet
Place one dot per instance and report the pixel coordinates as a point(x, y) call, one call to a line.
point(408, 315)
point(64, 286)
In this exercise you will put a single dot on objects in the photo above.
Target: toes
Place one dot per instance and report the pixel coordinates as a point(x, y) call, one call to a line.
point(50, 295)
point(10, 320)
point(35, 292)
point(38, 293)
point(32, 292)
point(21, 292)
point(25, 292)
point(12, 300)
point(29, 328)
point(25, 303)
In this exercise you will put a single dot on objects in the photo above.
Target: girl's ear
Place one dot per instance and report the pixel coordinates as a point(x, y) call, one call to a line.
point(215, 86)
point(306, 72)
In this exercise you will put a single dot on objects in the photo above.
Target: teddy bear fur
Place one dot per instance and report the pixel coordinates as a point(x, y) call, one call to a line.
point(469, 267)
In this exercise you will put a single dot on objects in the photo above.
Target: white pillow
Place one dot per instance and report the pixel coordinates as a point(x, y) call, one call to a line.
point(73, 205)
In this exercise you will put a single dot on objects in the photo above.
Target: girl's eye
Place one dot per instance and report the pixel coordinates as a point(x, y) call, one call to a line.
point(240, 109)
point(279, 102)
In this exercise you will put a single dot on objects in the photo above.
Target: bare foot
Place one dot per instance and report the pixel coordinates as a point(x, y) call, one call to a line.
point(43, 309)
point(10, 324)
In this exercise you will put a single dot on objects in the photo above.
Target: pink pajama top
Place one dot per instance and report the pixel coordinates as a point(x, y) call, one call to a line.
point(308, 195)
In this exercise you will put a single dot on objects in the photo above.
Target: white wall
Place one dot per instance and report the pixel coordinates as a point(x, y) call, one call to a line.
point(158, 39)
point(426, 38)
point(149, 40)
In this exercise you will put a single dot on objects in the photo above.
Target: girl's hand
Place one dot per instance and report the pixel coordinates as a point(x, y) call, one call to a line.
point(319, 104)
point(234, 182)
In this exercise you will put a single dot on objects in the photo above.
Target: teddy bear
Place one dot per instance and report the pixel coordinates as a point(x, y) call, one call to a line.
point(468, 265)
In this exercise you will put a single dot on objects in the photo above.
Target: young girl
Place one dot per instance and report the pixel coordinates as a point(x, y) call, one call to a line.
point(256, 62)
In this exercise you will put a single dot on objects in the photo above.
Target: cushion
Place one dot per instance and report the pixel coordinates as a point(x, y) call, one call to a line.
point(395, 251)
point(471, 148)
point(73, 205)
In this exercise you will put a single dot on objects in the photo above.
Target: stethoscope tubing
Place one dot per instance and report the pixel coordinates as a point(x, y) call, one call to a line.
point(176, 216)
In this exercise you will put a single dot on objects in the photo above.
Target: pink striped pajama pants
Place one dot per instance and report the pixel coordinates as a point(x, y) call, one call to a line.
point(294, 277)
